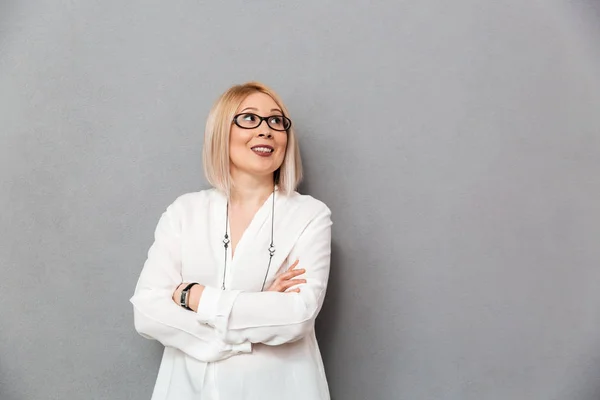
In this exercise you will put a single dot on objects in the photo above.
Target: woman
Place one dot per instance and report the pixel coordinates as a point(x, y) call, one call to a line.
point(237, 274)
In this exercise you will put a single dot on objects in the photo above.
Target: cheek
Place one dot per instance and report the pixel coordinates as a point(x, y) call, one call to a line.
point(283, 145)
point(237, 136)
point(282, 142)
point(238, 142)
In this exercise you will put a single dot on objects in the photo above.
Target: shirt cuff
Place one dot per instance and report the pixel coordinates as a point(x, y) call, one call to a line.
point(215, 306)
point(245, 347)
point(207, 307)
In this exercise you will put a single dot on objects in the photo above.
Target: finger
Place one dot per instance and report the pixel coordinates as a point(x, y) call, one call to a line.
point(275, 286)
point(288, 284)
point(291, 274)
point(297, 290)
point(293, 265)
point(288, 275)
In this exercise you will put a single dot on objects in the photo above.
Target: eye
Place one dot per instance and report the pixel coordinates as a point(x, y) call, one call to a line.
point(248, 117)
point(276, 120)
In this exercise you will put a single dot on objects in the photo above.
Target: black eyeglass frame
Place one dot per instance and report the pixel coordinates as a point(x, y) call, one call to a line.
point(261, 119)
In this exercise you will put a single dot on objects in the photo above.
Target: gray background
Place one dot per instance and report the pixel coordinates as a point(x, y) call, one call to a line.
point(457, 143)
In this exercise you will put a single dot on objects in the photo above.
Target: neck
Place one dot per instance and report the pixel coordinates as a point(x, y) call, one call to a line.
point(250, 190)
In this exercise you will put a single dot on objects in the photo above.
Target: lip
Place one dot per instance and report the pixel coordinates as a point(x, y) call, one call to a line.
point(261, 154)
point(263, 145)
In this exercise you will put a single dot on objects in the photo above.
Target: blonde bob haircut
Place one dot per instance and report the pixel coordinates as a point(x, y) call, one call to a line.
point(215, 154)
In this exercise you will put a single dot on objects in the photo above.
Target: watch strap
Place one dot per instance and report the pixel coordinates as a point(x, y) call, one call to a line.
point(185, 296)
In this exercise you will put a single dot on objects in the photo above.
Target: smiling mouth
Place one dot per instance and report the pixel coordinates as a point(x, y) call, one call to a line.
point(263, 149)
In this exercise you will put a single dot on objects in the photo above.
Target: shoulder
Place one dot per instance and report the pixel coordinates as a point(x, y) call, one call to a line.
point(308, 205)
point(194, 201)
point(191, 206)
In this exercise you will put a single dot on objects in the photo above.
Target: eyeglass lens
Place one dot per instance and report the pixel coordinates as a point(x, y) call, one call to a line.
point(250, 121)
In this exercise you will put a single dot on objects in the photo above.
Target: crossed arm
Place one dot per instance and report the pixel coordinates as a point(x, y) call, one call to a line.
point(224, 323)
point(283, 283)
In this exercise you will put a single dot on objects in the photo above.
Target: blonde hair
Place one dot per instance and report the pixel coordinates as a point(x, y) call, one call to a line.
point(216, 141)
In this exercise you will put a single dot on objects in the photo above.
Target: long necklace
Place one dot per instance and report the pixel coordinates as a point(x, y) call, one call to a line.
point(271, 248)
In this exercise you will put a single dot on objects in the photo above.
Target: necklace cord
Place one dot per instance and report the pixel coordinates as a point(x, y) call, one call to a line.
point(271, 249)
point(272, 245)
point(226, 245)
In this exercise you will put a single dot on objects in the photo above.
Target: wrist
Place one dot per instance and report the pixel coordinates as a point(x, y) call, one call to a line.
point(177, 293)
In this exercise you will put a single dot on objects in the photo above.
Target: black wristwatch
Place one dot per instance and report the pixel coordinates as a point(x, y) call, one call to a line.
point(185, 297)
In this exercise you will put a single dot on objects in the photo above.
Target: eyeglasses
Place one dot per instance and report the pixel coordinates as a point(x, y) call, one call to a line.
point(251, 121)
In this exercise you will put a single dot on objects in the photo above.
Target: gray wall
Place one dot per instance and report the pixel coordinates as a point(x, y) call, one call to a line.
point(457, 143)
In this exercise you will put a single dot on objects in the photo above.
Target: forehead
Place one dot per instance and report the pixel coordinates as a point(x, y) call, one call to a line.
point(260, 101)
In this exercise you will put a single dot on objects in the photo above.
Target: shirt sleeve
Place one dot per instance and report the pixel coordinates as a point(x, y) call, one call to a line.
point(157, 317)
point(275, 318)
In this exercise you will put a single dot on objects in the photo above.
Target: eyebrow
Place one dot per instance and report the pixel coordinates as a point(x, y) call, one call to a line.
point(255, 109)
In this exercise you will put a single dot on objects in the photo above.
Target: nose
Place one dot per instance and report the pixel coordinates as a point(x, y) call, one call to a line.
point(267, 132)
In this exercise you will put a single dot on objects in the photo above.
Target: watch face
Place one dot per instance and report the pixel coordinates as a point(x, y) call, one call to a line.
point(183, 301)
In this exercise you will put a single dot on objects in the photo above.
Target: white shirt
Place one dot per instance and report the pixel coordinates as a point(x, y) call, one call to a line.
point(242, 344)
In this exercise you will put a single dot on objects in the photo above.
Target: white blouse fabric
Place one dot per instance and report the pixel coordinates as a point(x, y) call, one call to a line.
point(242, 344)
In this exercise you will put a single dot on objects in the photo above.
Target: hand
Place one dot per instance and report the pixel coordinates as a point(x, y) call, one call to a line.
point(195, 293)
point(287, 279)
